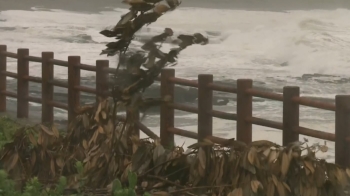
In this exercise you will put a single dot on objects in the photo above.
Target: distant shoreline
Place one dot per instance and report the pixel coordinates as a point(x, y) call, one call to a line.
point(95, 6)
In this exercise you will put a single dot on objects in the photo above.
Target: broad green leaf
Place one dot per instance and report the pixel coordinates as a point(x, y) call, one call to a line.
point(117, 185)
point(132, 180)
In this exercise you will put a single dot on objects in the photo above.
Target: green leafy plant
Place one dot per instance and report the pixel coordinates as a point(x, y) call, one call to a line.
point(58, 191)
point(8, 126)
point(7, 187)
point(81, 179)
point(118, 190)
point(33, 187)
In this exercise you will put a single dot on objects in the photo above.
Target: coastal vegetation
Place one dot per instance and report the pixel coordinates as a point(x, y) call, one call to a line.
point(7, 127)
point(101, 153)
point(95, 158)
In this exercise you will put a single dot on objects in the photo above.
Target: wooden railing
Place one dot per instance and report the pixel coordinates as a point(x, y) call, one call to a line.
point(291, 101)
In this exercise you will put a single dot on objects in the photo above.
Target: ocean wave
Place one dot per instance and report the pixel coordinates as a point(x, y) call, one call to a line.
point(40, 8)
point(80, 38)
point(271, 47)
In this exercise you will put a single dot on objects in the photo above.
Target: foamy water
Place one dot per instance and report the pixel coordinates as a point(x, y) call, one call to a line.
point(275, 49)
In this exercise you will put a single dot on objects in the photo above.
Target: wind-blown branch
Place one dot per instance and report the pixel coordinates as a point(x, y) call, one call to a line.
point(141, 67)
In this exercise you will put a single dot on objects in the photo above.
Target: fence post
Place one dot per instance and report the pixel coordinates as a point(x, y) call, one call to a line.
point(73, 80)
point(342, 130)
point(3, 84)
point(244, 110)
point(101, 78)
point(47, 88)
point(205, 106)
point(22, 83)
point(290, 115)
point(166, 112)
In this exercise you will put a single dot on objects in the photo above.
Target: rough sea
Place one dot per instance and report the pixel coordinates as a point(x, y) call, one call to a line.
point(306, 48)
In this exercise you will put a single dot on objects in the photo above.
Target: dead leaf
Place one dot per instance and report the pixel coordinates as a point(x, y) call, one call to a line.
point(158, 151)
point(32, 139)
point(60, 162)
point(104, 115)
point(281, 189)
point(285, 163)
point(348, 172)
point(100, 130)
point(40, 139)
point(286, 186)
point(46, 130)
point(267, 152)
point(159, 184)
point(144, 184)
point(237, 192)
point(33, 158)
point(209, 142)
point(252, 155)
point(275, 181)
point(85, 144)
point(52, 166)
point(309, 165)
point(323, 148)
point(270, 189)
point(255, 185)
point(14, 160)
point(55, 132)
point(313, 191)
point(86, 122)
point(202, 157)
point(98, 112)
point(272, 156)
point(138, 158)
point(160, 193)
point(341, 177)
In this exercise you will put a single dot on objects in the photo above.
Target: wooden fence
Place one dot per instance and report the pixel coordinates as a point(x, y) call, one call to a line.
point(291, 101)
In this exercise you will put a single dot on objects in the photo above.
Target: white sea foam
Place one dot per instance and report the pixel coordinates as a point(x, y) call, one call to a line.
point(273, 48)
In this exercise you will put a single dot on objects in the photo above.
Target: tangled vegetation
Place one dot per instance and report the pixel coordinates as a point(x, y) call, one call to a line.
point(101, 153)
point(93, 154)
point(34, 187)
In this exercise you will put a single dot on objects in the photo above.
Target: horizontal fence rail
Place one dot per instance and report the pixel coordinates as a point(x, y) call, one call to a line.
point(290, 124)
point(243, 115)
